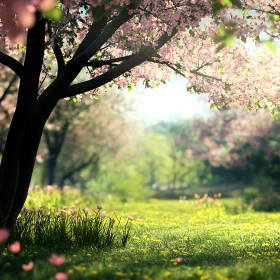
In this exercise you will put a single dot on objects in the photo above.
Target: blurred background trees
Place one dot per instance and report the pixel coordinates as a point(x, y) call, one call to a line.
point(104, 149)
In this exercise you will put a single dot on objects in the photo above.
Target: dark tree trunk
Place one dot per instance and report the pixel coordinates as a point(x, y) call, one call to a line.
point(52, 162)
point(27, 95)
point(54, 140)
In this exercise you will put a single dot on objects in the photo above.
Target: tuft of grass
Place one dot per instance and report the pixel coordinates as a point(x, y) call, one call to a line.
point(62, 228)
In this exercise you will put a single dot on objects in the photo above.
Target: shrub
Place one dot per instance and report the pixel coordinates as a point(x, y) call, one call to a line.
point(251, 195)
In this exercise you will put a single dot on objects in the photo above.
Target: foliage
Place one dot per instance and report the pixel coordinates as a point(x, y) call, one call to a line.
point(251, 195)
point(267, 202)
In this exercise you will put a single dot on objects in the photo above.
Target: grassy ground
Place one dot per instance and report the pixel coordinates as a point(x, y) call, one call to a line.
point(198, 239)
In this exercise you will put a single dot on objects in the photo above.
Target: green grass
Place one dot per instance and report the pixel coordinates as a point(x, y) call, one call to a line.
point(219, 239)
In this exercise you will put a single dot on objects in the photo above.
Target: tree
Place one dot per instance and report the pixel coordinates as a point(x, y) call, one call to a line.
point(81, 136)
point(242, 147)
point(121, 42)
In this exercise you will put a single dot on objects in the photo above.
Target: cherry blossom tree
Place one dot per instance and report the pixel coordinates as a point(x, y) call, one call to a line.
point(241, 147)
point(120, 42)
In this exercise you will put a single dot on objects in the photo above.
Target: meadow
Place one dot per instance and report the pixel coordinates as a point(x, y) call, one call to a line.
point(199, 238)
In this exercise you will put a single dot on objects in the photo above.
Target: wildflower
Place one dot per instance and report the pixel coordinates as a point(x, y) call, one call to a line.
point(85, 210)
point(48, 188)
point(178, 260)
point(66, 188)
point(48, 214)
point(61, 276)
point(28, 267)
point(196, 196)
point(130, 218)
point(41, 209)
point(167, 274)
point(56, 259)
point(99, 207)
point(64, 207)
point(4, 235)
point(58, 214)
point(14, 247)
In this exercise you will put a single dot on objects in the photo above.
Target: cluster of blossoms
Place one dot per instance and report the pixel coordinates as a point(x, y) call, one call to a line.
point(231, 138)
point(231, 76)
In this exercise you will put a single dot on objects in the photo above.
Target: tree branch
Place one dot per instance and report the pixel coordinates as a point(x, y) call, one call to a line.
point(205, 76)
point(7, 90)
point(97, 43)
point(119, 70)
point(12, 63)
point(100, 63)
point(59, 58)
point(168, 65)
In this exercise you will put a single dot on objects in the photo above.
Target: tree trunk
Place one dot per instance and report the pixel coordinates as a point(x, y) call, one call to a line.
point(15, 147)
point(30, 146)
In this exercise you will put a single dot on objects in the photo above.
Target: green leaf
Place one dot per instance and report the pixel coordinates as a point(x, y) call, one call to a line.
point(220, 47)
point(129, 88)
point(212, 106)
point(270, 46)
point(98, 13)
point(192, 33)
point(55, 14)
point(243, 39)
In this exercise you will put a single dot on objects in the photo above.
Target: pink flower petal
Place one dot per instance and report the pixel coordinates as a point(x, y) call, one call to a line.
point(61, 276)
point(14, 247)
point(56, 260)
point(4, 235)
point(28, 267)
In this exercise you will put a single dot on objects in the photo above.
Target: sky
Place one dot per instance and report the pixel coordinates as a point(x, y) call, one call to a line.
point(170, 101)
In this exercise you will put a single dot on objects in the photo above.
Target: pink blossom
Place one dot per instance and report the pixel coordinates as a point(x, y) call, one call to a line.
point(178, 260)
point(99, 207)
point(4, 235)
point(56, 260)
point(61, 276)
point(14, 247)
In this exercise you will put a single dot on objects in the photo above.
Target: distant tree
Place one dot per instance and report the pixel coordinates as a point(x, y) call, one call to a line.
point(242, 147)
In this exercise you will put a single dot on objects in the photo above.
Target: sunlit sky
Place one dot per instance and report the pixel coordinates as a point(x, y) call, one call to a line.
point(170, 101)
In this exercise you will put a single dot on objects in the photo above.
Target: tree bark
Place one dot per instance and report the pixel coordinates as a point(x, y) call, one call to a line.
point(27, 95)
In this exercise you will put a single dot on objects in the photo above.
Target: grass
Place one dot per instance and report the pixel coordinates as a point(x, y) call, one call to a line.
point(189, 239)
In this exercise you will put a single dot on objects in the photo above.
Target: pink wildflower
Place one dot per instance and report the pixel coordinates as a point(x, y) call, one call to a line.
point(130, 218)
point(14, 247)
point(61, 276)
point(99, 207)
point(178, 260)
point(56, 259)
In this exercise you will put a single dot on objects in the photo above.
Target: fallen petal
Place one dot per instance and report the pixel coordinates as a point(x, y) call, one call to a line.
point(28, 267)
point(14, 247)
